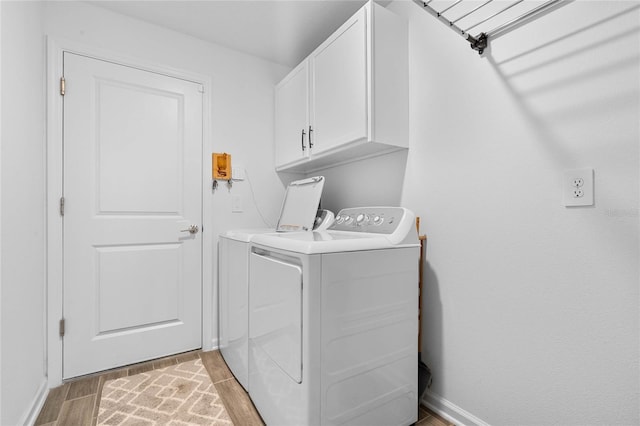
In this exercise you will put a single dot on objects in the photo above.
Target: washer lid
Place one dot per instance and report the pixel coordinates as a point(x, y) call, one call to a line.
point(318, 242)
point(300, 205)
point(358, 228)
point(245, 235)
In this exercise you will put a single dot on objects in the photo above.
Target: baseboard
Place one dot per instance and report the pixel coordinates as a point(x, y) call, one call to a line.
point(30, 416)
point(450, 411)
point(214, 345)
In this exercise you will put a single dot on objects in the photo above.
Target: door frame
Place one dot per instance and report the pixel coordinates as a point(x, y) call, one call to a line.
point(54, 180)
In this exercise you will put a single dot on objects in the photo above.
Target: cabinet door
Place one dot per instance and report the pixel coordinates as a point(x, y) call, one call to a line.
point(292, 116)
point(339, 89)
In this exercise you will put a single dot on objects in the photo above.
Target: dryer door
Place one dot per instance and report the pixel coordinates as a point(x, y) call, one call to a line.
point(275, 319)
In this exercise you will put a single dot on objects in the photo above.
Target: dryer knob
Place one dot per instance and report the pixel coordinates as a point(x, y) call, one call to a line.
point(348, 220)
point(360, 218)
point(377, 220)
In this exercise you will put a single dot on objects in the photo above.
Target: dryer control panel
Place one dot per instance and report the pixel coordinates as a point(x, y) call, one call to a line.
point(377, 220)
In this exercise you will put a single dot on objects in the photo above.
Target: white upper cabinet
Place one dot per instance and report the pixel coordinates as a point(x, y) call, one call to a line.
point(349, 99)
point(292, 115)
point(339, 86)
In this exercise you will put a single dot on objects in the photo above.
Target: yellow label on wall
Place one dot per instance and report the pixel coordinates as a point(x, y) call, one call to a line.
point(221, 166)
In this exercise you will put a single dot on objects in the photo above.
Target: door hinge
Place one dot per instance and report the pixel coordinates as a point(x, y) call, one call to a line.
point(62, 86)
point(61, 206)
point(62, 327)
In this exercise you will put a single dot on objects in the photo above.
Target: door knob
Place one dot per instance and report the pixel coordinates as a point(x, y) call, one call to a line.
point(192, 229)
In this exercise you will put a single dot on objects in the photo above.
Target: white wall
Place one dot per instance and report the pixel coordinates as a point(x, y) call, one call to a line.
point(0, 213)
point(22, 228)
point(241, 105)
point(241, 124)
point(378, 181)
point(530, 308)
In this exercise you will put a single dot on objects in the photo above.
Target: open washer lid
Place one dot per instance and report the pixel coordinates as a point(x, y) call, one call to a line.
point(300, 204)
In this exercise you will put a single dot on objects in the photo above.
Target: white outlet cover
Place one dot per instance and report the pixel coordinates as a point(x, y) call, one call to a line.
point(571, 193)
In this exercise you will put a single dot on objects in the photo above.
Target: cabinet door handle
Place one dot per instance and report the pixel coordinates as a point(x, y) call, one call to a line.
point(302, 141)
point(310, 141)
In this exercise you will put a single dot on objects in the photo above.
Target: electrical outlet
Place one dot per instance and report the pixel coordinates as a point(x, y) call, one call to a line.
point(577, 187)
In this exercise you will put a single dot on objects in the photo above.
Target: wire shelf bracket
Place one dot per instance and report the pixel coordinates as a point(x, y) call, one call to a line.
point(480, 41)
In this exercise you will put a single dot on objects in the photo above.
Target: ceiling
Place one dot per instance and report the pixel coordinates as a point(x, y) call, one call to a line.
point(281, 31)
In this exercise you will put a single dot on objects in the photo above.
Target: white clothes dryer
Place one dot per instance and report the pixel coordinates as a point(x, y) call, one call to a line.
point(333, 322)
point(233, 299)
point(298, 214)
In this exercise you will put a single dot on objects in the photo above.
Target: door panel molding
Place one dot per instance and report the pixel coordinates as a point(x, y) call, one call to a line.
point(54, 163)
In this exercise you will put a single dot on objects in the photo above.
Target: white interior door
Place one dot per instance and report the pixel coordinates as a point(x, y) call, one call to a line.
point(132, 185)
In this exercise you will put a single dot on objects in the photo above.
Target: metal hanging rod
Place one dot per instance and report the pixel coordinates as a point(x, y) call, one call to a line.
point(522, 17)
point(495, 14)
point(481, 40)
point(473, 10)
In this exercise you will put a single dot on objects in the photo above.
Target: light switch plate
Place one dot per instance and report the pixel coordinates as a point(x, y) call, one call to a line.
point(237, 172)
point(236, 204)
point(577, 187)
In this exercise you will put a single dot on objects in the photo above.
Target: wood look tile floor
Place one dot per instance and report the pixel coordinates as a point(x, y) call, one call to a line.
point(76, 402)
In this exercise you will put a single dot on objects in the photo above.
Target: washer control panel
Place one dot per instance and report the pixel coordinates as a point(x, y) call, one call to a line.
point(378, 220)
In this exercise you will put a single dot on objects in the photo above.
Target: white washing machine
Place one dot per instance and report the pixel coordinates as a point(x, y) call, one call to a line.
point(333, 322)
point(298, 213)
